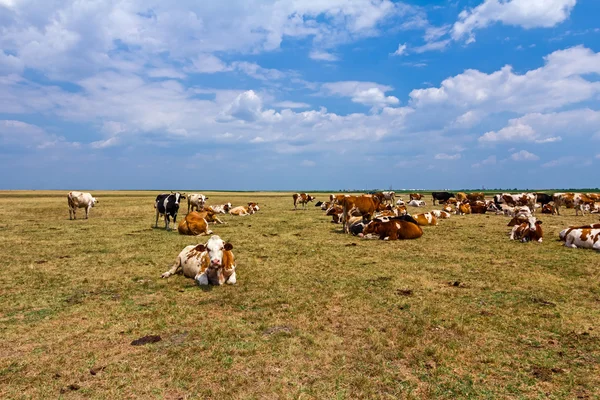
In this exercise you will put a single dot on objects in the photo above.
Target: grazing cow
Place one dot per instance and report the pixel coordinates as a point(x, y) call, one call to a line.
point(242, 210)
point(417, 203)
point(220, 208)
point(389, 197)
point(212, 263)
point(167, 204)
point(196, 200)
point(363, 205)
point(80, 200)
point(302, 198)
point(415, 196)
point(441, 197)
point(531, 230)
point(425, 219)
point(441, 214)
point(394, 229)
point(476, 196)
point(195, 224)
point(463, 208)
point(575, 200)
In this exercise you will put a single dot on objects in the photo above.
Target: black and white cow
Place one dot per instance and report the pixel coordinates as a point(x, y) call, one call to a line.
point(167, 204)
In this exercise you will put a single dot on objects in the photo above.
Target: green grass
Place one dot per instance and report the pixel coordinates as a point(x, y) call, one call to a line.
point(462, 312)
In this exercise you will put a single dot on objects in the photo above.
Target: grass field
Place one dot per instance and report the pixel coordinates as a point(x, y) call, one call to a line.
point(461, 312)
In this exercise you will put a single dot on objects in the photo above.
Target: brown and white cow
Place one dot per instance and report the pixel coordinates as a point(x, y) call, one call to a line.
point(220, 208)
point(513, 200)
point(302, 198)
point(335, 211)
point(529, 231)
point(586, 238)
point(196, 201)
point(448, 208)
point(80, 200)
point(425, 219)
point(548, 209)
point(563, 234)
point(195, 224)
point(365, 205)
point(572, 200)
point(389, 197)
point(476, 196)
point(213, 263)
point(441, 214)
point(392, 230)
point(461, 196)
point(242, 210)
point(401, 210)
point(415, 196)
point(463, 209)
point(326, 205)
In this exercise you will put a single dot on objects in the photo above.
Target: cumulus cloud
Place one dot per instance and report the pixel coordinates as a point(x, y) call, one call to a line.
point(525, 13)
point(491, 160)
point(14, 133)
point(291, 104)
point(320, 55)
point(524, 155)
point(308, 163)
point(367, 93)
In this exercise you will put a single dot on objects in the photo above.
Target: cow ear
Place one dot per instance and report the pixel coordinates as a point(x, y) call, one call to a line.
point(538, 222)
point(200, 247)
point(228, 246)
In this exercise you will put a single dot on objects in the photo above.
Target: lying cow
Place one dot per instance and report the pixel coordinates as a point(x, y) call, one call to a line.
point(425, 219)
point(80, 200)
point(167, 204)
point(302, 198)
point(242, 210)
point(415, 196)
point(563, 234)
point(400, 202)
point(220, 208)
point(393, 230)
point(212, 263)
point(417, 203)
point(335, 211)
point(583, 239)
point(548, 209)
point(463, 209)
point(195, 224)
point(529, 231)
point(441, 214)
point(196, 201)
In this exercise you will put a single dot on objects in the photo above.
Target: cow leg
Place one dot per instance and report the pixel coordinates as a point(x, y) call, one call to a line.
point(232, 279)
point(156, 223)
point(202, 277)
point(87, 211)
point(166, 221)
point(71, 213)
point(175, 268)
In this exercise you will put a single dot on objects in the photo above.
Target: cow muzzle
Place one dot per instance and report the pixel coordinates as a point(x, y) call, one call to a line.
point(215, 262)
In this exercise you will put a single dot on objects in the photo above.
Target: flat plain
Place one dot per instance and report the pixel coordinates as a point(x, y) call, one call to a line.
point(316, 314)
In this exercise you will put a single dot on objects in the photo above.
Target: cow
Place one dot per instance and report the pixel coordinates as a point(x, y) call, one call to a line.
point(195, 224)
point(363, 205)
point(212, 263)
point(399, 202)
point(513, 200)
point(415, 196)
point(593, 196)
point(478, 208)
point(460, 197)
point(543, 198)
point(463, 208)
point(325, 206)
point(576, 200)
point(476, 196)
point(531, 230)
point(563, 234)
point(80, 200)
point(400, 210)
point(425, 219)
point(196, 200)
point(448, 208)
point(548, 209)
point(318, 204)
point(335, 211)
point(389, 197)
point(254, 206)
point(583, 238)
point(220, 208)
point(394, 229)
point(302, 198)
point(417, 203)
point(242, 210)
point(441, 197)
point(167, 204)
point(440, 214)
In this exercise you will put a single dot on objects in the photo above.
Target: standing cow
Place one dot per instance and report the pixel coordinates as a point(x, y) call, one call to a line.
point(167, 204)
point(80, 200)
point(441, 197)
point(196, 200)
point(302, 198)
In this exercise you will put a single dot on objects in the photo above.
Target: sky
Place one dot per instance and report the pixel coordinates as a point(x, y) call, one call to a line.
point(299, 94)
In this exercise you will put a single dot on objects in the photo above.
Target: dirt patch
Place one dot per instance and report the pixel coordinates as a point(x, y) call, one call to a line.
point(146, 340)
point(404, 292)
point(278, 329)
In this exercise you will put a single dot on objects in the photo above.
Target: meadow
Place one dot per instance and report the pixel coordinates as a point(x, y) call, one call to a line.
point(460, 313)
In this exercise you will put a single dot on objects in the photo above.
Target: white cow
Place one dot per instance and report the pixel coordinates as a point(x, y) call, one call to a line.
point(389, 196)
point(440, 214)
point(212, 263)
point(80, 200)
point(196, 200)
point(221, 208)
point(417, 203)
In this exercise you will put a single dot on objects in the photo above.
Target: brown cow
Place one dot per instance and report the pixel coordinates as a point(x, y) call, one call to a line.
point(195, 223)
point(303, 199)
point(415, 196)
point(393, 230)
point(365, 205)
point(463, 208)
point(478, 208)
point(476, 196)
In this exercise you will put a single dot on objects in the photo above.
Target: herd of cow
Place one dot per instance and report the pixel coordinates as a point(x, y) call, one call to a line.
point(369, 216)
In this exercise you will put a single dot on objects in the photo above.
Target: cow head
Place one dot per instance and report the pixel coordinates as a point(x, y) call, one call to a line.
point(254, 207)
point(534, 231)
point(94, 201)
point(370, 229)
point(215, 248)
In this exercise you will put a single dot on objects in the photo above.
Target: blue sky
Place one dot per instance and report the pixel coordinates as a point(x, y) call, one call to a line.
point(299, 94)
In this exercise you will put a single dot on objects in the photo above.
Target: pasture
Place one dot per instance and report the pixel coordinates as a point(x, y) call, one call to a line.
point(461, 312)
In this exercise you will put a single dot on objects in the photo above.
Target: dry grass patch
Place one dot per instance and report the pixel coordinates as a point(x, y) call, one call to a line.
point(461, 312)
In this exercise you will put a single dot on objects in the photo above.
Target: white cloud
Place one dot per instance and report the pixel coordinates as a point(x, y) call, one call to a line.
point(308, 163)
point(291, 104)
point(491, 160)
point(400, 50)
point(320, 55)
point(444, 156)
point(524, 155)
point(560, 162)
point(21, 134)
point(367, 93)
point(525, 13)
point(103, 144)
point(432, 46)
